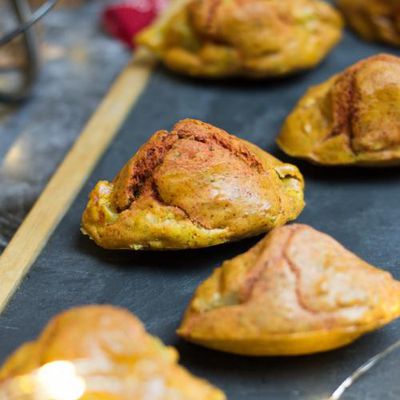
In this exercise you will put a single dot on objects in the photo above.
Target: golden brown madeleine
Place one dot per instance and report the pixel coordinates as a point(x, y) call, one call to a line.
point(353, 118)
point(377, 20)
point(253, 38)
point(114, 353)
point(195, 186)
point(298, 291)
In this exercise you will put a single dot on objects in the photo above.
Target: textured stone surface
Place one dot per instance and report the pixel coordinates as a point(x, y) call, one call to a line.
point(80, 63)
point(358, 207)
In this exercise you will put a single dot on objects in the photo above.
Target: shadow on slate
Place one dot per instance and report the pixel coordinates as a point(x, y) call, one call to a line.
point(359, 207)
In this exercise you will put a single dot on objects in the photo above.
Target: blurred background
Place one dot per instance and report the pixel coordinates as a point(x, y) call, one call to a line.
point(78, 63)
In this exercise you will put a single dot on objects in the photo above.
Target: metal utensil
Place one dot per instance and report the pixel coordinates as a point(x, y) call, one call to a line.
point(26, 19)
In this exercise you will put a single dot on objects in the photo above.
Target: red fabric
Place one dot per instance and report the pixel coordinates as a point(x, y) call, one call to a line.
point(124, 20)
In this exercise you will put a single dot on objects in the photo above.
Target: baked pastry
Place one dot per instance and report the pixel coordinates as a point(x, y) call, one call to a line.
point(253, 38)
point(298, 291)
point(377, 20)
point(195, 186)
point(113, 353)
point(353, 118)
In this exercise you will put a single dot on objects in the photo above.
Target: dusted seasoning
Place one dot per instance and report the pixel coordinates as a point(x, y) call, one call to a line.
point(351, 119)
point(252, 38)
point(296, 292)
point(375, 20)
point(196, 186)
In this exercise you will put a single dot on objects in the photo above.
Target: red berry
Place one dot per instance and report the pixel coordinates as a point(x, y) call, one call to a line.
point(125, 20)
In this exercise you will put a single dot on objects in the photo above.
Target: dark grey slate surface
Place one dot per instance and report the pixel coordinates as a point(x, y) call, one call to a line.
point(359, 207)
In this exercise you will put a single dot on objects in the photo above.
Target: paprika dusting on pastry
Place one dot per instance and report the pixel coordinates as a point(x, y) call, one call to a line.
point(113, 354)
point(375, 20)
point(253, 38)
point(195, 186)
point(353, 118)
point(298, 291)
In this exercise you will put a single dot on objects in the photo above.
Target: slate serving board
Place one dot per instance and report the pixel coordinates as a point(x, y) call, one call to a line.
point(359, 207)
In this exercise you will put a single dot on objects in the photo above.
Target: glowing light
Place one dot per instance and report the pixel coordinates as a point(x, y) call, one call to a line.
point(59, 380)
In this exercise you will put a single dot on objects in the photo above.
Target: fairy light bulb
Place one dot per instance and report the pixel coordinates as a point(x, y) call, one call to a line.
point(59, 380)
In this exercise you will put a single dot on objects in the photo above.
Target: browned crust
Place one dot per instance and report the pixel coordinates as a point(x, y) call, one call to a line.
point(346, 101)
point(374, 19)
point(281, 265)
point(135, 177)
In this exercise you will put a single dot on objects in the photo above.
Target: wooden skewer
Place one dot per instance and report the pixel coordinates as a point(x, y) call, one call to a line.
point(65, 184)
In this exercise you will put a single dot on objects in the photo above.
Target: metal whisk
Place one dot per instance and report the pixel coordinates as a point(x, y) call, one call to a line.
point(26, 19)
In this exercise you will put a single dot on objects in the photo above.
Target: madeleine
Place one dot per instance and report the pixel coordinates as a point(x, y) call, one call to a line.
point(195, 186)
point(353, 118)
point(111, 350)
point(252, 38)
point(298, 291)
point(375, 20)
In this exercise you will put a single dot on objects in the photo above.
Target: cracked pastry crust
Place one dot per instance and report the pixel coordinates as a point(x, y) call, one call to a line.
point(298, 291)
point(353, 118)
point(195, 186)
point(375, 20)
point(114, 353)
point(252, 38)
